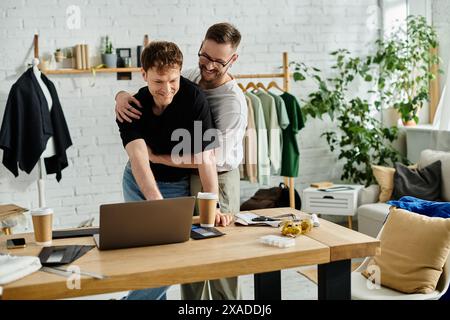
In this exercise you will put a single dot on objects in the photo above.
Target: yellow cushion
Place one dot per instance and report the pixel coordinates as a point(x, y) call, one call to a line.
point(385, 179)
point(414, 249)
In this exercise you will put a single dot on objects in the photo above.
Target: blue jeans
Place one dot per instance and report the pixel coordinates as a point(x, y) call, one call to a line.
point(131, 192)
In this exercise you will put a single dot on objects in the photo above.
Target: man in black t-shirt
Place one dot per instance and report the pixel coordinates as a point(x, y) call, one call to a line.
point(217, 53)
point(175, 119)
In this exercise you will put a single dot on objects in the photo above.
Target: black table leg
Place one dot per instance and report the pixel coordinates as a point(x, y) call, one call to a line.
point(268, 285)
point(334, 280)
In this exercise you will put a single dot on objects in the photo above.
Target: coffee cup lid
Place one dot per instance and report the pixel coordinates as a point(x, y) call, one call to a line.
point(207, 196)
point(41, 211)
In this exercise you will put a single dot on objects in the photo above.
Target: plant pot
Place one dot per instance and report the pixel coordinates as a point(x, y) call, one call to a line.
point(109, 59)
point(409, 123)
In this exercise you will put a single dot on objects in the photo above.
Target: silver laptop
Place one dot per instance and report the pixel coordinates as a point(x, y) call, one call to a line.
point(144, 223)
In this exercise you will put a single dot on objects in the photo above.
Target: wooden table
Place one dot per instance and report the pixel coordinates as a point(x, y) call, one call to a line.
point(238, 253)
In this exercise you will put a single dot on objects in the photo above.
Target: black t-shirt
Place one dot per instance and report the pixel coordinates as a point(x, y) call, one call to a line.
point(189, 114)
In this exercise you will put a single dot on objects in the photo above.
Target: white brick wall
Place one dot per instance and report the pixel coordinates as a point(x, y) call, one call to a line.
point(307, 29)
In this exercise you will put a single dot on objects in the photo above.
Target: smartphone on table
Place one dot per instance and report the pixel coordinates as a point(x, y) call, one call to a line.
point(198, 232)
point(15, 243)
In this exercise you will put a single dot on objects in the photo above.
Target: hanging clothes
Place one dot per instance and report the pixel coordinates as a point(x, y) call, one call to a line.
point(273, 130)
point(291, 150)
point(283, 118)
point(263, 146)
point(28, 124)
point(248, 168)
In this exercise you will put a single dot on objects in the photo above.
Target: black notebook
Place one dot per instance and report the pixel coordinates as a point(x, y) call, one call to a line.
point(60, 255)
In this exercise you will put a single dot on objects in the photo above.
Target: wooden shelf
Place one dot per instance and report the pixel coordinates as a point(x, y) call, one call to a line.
point(267, 75)
point(79, 71)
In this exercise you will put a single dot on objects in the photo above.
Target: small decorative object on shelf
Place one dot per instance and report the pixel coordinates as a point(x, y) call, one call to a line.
point(82, 61)
point(109, 58)
point(123, 57)
point(140, 48)
point(123, 61)
point(138, 55)
point(69, 61)
point(78, 57)
point(59, 55)
point(127, 62)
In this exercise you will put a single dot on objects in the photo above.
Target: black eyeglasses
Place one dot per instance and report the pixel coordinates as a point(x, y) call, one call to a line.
point(207, 59)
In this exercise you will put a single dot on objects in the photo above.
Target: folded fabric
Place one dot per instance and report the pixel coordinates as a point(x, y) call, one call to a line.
point(14, 267)
point(425, 207)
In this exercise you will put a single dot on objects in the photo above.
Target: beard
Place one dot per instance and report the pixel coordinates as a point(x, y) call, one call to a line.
point(211, 76)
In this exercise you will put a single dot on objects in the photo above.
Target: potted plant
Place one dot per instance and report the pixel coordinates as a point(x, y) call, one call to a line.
point(404, 60)
point(360, 138)
point(109, 58)
point(59, 56)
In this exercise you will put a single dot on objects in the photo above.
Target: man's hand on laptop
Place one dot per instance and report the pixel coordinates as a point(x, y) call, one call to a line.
point(223, 219)
point(124, 109)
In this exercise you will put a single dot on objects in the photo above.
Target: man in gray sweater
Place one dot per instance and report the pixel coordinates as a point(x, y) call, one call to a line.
point(216, 55)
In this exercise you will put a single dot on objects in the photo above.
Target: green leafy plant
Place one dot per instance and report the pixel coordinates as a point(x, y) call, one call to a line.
point(404, 60)
point(361, 139)
point(107, 47)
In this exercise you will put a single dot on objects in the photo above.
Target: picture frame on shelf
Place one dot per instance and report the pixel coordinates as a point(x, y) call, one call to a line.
point(123, 61)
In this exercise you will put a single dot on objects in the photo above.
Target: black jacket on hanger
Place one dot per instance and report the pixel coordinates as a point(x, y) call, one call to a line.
point(28, 124)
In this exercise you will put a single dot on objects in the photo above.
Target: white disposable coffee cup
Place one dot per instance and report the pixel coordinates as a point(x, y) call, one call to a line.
point(42, 226)
point(207, 204)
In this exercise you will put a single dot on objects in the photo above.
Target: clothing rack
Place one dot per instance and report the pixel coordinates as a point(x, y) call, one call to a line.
point(289, 181)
